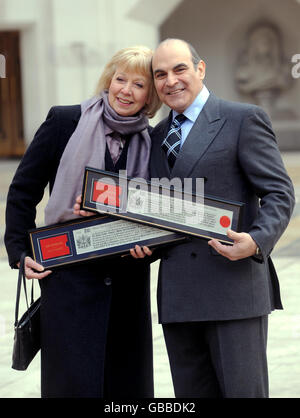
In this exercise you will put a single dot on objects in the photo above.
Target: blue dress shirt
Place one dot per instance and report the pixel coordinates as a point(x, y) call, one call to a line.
point(192, 113)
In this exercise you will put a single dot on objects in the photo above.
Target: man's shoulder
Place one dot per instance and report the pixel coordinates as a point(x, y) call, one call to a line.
point(242, 106)
point(160, 127)
point(231, 107)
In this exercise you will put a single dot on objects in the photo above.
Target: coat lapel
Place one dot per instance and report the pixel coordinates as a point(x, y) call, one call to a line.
point(204, 131)
point(77, 115)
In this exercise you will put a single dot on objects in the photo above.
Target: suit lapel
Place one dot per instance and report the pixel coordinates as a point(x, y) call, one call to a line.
point(159, 160)
point(204, 131)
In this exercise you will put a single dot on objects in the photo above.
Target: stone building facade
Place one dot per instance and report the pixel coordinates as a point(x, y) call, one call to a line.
point(54, 51)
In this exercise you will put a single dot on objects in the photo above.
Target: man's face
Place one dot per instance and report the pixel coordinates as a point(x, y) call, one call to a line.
point(176, 80)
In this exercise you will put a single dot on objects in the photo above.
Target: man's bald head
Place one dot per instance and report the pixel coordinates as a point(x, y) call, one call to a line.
point(194, 54)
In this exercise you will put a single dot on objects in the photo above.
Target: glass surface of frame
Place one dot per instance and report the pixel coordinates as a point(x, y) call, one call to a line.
point(160, 206)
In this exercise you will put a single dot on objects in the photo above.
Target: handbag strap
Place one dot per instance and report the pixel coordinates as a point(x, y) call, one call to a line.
point(21, 277)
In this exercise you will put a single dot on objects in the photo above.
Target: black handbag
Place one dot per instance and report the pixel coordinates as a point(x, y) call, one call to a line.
point(27, 340)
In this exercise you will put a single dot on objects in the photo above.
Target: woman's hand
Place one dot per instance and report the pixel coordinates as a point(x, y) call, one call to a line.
point(77, 211)
point(138, 252)
point(34, 270)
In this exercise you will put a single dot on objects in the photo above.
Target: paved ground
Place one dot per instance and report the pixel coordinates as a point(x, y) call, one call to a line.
point(284, 328)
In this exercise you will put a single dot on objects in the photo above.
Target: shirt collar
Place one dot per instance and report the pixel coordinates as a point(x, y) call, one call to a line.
point(193, 111)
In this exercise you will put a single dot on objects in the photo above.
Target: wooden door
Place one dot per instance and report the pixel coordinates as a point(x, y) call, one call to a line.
point(11, 114)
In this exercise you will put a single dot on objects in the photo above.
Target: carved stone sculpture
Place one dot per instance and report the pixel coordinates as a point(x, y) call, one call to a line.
point(262, 70)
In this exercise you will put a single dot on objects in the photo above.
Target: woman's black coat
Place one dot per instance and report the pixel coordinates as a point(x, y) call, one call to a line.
point(96, 321)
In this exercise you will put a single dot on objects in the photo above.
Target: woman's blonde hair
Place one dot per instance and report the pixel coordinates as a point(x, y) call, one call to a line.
point(137, 59)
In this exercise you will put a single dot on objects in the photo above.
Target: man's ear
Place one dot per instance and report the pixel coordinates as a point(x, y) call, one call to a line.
point(201, 68)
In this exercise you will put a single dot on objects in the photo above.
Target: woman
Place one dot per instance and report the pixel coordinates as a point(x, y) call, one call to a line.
point(95, 317)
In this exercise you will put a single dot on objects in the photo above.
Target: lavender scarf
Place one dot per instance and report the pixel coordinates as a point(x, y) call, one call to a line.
point(86, 147)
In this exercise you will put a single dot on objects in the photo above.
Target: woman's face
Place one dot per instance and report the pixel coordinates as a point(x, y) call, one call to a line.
point(128, 92)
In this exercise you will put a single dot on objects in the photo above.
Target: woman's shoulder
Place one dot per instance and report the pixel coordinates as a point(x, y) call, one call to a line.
point(65, 111)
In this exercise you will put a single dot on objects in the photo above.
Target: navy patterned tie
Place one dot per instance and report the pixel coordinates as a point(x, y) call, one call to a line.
point(171, 144)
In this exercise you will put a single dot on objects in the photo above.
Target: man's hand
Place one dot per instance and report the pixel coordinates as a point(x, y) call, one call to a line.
point(77, 211)
point(243, 246)
point(34, 270)
point(138, 252)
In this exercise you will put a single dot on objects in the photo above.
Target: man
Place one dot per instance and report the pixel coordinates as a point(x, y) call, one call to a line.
point(214, 299)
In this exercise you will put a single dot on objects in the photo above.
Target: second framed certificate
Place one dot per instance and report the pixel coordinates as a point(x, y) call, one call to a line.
point(93, 237)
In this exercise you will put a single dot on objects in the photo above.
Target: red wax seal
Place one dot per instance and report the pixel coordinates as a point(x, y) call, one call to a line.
point(225, 221)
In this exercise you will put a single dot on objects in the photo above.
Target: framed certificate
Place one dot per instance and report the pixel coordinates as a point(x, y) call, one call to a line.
point(160, 206)
point(93, 237)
